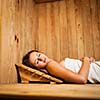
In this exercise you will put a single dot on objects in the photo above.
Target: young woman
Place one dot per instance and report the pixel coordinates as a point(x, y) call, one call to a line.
point(70, 70)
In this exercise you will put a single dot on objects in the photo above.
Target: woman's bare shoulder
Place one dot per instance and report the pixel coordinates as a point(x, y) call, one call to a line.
point(62, 63)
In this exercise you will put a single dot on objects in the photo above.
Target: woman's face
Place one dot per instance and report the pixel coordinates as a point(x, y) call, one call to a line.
point(38, 59)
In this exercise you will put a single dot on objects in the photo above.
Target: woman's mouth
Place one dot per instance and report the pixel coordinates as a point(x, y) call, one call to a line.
point(44, 60)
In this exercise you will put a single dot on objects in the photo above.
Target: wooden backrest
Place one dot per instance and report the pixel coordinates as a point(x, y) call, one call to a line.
point(29, 74)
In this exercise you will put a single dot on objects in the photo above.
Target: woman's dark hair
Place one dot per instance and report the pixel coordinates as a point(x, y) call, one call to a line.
point(25, 59)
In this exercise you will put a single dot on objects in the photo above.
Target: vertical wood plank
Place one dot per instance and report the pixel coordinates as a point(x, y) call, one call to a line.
point(26, 26)
point(3, 46)
point(42, 36)
point(55, 32)
point(63, 31)
point(98, 13)
point(95, 28)
point(17, 33)
point(87, 28)
point(0, 41)
point(23, 33)
point(29, 24)
point(72, 36)
point(79, 28)
point(49, 29)
point(7, 42)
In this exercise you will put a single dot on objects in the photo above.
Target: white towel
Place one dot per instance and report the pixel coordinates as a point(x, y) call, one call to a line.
point(75, 65)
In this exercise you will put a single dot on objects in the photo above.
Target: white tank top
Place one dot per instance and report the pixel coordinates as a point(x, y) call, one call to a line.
point(75, 65)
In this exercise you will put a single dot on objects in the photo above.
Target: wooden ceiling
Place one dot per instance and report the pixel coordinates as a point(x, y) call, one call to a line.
point(45, 1)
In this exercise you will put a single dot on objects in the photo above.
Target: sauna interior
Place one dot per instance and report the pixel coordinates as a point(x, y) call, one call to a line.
point(59, 28)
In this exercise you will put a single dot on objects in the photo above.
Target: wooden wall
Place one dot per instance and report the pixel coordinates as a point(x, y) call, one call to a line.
point(67, 28)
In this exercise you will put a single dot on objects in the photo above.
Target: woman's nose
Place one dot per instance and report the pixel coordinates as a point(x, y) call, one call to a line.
point(40, 58)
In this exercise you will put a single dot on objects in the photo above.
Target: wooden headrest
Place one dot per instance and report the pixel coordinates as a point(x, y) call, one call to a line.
point(31, 74)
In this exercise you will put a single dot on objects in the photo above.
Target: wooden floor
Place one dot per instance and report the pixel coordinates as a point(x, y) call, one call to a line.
point(50, 92)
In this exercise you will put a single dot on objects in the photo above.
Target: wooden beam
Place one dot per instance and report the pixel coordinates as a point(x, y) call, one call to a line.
point(45, 1)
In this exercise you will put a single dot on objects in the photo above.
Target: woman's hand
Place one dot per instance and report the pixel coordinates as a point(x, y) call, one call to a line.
point(84, 58)
point(91, 59)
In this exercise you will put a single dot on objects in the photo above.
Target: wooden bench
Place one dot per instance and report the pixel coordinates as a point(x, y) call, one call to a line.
point(49, 92)
point(28, 74)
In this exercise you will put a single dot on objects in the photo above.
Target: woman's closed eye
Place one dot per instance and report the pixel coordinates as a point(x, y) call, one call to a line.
point(37, 60)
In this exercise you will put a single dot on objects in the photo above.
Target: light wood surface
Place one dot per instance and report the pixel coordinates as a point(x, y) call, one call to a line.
point(60, 91)
point(65, 28)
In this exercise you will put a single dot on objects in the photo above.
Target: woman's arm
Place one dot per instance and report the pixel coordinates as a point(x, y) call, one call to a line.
point(55, 68)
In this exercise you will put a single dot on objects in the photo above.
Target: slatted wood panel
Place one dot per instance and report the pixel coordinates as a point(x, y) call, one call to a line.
point(7, 71)
point(63, 28)
point(95, 6)
point(17, 23)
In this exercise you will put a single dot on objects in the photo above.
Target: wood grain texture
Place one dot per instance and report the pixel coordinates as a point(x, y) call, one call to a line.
point(64, 51)
point(95, 27)
point(66, 28)
point(35, 75)
point(79, 28)
point(50, 92)
point(87, 29)
point(7, 42)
